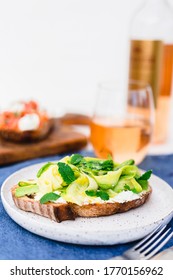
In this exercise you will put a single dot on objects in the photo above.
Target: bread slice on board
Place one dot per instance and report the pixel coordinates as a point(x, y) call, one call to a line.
point(29, 135)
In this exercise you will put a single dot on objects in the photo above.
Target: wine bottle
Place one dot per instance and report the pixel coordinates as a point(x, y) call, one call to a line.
point(151, 58)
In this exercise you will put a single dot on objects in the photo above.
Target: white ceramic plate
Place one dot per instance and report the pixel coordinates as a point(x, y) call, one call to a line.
point(115, 229)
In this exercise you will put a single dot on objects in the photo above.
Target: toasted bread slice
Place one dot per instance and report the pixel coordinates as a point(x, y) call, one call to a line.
point(106, 209)
point(54, 211)
point(30, 135)
point(68, 211)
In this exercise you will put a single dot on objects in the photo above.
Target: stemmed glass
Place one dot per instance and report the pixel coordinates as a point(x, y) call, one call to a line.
point(122, 127)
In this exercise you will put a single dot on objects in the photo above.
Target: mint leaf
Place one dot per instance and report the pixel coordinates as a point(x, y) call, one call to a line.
point(127, 188)
point(98, 165)
point(43, 169)
point(76, 159)
point(107, 165)
point(146, 175)
point(103, 195)
point(91, 193)
point(66, 172)
point(49, 197)
point(143, 183)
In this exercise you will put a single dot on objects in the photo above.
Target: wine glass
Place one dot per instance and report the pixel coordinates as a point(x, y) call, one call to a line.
point(122, 124)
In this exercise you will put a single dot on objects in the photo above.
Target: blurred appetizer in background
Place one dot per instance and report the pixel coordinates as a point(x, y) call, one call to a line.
point(25, 121)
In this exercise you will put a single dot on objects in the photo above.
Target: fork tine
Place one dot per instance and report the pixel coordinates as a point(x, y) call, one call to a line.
point(147, 237)
point(159, 247)
point(156, 242)
point(152, 239)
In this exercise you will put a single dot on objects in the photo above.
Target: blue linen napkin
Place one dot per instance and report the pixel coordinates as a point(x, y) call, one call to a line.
point(17, 243)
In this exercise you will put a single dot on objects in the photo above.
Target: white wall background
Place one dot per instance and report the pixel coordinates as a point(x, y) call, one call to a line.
point(56, 51)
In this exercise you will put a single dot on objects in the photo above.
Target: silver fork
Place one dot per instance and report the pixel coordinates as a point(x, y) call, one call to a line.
point(149, 246)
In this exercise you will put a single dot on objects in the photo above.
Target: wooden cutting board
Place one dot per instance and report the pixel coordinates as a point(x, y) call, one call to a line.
point(62, 139)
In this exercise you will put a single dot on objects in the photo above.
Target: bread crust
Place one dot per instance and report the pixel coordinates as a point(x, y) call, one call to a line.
point(106, 209)
point(29, 135)
point(69, 211)
point(54, 211)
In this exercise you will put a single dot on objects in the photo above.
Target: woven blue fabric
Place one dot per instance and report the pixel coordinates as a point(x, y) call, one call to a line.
point(17, 243)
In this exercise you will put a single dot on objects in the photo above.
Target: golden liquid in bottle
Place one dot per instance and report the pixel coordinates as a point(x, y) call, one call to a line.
point(152, 62)
point(121, 139)
point(163, 103)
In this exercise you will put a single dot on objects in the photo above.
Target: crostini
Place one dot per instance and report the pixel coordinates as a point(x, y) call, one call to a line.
point(25, 121)
point(78, 186)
